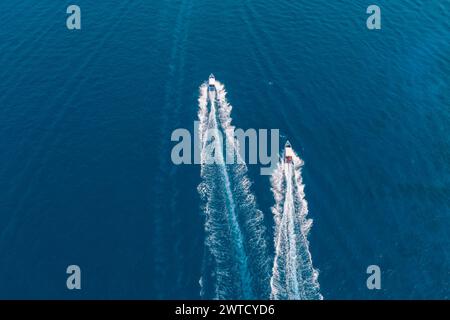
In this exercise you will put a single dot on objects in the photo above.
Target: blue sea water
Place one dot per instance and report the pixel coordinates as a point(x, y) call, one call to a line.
point(86, 116)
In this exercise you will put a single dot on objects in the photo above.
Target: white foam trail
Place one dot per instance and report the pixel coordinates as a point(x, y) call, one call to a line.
point(233, 224)
point(218, 175)
point(293, 274)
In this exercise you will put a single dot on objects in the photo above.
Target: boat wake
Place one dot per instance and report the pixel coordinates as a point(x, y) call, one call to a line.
point(236, 261)
point(293, 275)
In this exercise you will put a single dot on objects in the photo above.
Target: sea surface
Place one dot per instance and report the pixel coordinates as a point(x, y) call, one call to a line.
point(86, 117)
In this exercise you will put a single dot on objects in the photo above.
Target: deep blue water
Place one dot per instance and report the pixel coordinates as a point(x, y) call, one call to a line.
point(86, 117)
